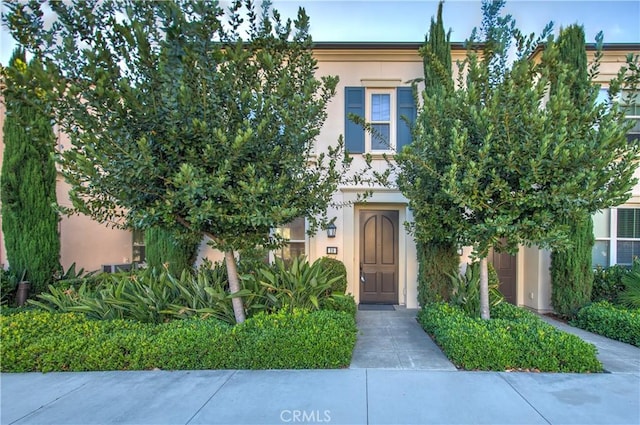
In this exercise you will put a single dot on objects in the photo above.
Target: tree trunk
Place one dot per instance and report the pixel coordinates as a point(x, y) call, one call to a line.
point(484, 289)
point(234, 285)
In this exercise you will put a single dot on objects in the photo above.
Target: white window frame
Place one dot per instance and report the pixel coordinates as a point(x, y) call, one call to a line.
point(613, 238)
point(278, 253)
point(369, 92)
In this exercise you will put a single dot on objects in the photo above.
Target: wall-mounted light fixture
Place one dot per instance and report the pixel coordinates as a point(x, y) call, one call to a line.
point(331, 230)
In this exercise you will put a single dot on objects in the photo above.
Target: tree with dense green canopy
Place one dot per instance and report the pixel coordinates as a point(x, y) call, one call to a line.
point(509, 158)
point(437, 254)
point(183, 114)
point(571, 269)
point(29, 216)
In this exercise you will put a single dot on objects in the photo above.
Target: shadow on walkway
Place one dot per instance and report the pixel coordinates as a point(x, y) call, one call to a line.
point(395, 340)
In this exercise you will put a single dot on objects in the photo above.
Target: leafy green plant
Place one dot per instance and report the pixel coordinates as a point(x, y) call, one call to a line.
point(37, 340)
point(630, 296)
point(300, 285)
point(336, 268)
point(8, 284)
point(465, 289)
point(514, 339)
point(145, 296)
point(607, 283)
point(611, 321)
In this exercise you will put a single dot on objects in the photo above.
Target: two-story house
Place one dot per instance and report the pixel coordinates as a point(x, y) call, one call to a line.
point(370, 237)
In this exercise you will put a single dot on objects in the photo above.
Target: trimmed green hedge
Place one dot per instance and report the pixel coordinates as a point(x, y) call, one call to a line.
point(608, 320)
point(514, 339)
point(43, 341)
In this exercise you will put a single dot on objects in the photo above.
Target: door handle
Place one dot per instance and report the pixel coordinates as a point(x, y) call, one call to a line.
point(361, 274)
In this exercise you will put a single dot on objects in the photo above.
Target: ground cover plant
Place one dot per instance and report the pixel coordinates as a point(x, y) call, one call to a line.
point(615, 322)
point(514, 339)
point(615, 311)
point(36, 340)
point(148, 319)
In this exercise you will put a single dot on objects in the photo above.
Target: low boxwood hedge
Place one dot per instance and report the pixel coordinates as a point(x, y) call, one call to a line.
point(44, 341)
point(608, 320)
point(514, 339)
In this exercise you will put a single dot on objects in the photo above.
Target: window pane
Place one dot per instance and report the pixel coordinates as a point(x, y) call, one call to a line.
point(601, 224)
point(380, 107)
point(603, 96)
point(291, 251)
point(297, 229)
point(627, 251)
point(628, 223)
point(380, 137)
point(600, 254)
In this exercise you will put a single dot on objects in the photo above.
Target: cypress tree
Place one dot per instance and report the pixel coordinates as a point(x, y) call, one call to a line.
point(571, 268)
point(28, 187)
point(438, 257)
point(176, 250)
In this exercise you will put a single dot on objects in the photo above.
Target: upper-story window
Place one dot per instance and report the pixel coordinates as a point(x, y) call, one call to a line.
point(383, 109)
point(380, 107)
point(633, 113)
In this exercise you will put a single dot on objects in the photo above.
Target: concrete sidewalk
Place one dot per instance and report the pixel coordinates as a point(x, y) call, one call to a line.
point(353, 396)
point(398, 376)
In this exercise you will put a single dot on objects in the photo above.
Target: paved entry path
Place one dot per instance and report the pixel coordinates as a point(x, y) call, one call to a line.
point(395, 340)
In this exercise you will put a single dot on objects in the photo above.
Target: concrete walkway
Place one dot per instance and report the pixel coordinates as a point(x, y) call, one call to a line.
point(395, 340)
point(615, 356)
point(362, 394)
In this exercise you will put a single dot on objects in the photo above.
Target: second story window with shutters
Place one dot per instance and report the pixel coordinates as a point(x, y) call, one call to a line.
point(384, 109)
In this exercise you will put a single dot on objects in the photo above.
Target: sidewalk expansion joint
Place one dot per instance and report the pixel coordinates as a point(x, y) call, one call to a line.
point(212, 396)
point(49, 403)
point(523, 397)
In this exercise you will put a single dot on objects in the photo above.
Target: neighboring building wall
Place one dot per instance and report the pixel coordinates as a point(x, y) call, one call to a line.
point(86, 242)
point(537, 279)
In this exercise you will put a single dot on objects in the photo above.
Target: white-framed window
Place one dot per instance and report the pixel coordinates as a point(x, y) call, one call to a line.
point(387, 110)
point(138, 247)
point(380, 105)
point(633, 114)
point(617, 234)
point(295, 232)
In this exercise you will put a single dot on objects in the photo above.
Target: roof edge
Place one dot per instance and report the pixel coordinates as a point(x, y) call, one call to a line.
point(375, 45)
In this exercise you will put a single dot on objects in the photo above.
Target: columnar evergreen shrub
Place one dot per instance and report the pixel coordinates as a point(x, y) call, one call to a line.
point(436, 262)
point(437, 253)
point(177, 250)
point(29, 218)
point(571, 271)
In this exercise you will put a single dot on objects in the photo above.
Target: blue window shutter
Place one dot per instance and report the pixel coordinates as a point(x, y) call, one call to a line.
point(353, 133)
point(406, 108)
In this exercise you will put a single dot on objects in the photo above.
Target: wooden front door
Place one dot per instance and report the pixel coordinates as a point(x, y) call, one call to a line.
point(379, 257)
point(506, 266)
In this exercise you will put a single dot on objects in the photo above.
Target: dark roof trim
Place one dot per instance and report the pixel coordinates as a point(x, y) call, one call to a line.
point(606, 47)
point(615, 46)
point(375, 45)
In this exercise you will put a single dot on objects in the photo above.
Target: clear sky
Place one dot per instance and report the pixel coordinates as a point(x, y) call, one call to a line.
point(403, 20)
